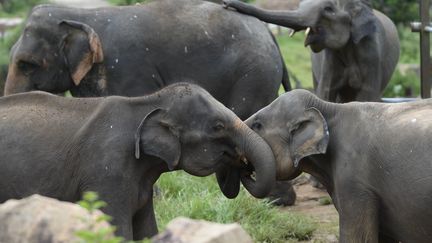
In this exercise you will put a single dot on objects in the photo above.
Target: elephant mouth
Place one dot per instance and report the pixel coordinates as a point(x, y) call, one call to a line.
point(314, 36)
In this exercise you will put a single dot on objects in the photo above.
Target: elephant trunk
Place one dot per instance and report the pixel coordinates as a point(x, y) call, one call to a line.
point(258, 155)
point(295, 19)
point(15, 83)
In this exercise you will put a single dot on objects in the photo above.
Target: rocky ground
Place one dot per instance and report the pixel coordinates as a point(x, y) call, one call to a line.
point(311, 202)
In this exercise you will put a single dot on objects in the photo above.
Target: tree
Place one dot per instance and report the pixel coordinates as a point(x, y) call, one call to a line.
point(399, 11)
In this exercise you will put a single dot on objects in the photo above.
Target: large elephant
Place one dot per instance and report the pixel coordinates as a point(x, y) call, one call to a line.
point(136, 50)
point(374, 159)
point(117, 146)
point(355, 48)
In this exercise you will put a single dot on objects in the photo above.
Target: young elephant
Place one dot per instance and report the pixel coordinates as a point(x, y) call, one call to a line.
point(373, 158)
point(118, 147)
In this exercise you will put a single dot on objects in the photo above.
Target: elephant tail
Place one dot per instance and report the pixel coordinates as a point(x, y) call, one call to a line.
point(285, 77)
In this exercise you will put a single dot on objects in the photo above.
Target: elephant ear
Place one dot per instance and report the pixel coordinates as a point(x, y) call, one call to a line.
point(309, 136)
point(155, 136)
point(81, 48)
point(363, 22)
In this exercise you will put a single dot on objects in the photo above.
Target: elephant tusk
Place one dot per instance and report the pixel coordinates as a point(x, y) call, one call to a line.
point(245, 161)
point(292, 32)
point(308, 31)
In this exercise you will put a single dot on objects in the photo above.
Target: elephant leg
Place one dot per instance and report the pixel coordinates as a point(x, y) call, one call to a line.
point(369, 93)
point(144, 222)
point(358, 218)
point(385, 239)
point(118, 206)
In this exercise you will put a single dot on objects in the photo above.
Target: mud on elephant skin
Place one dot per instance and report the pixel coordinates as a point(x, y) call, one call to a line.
point(117, 146)
point(355, 48)
point(136, 50)
point(373, 158)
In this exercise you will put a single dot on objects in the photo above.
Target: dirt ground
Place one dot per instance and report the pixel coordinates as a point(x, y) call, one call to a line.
point(310, 202)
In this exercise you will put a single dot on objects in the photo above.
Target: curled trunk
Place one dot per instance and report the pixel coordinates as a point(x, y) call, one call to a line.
point(260, 158)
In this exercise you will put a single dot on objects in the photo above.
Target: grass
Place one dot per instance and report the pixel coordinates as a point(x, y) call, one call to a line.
point(201, 198)
point(297, 58)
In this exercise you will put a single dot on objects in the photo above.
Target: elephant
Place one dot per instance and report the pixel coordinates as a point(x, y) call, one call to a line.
point(373, 158)
point(355, 49)
point(136, 50)
point(118, 147)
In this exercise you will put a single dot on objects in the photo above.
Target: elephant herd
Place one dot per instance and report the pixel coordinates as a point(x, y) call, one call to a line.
point(187, 84)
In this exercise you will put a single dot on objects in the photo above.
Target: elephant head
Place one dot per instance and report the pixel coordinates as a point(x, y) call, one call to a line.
point(52, 55)
point(191, 130)
point(328, 23)
point(293, 128)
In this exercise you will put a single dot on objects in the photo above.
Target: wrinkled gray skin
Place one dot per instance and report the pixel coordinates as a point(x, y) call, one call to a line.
point(373, 158)
point(117, 146)
point(136, 50)
point(355, 49)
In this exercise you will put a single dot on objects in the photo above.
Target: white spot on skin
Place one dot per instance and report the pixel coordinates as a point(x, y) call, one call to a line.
point(116, 60)
point(49, 14)
point(106, 167)
point(205, 150)
point(233, 36)
point(414, 120)
point(135, 16)
point(206, 33)
point(112, 67)
point(147, 49)
point(153, 76)
point(244, 99)
point(232, 108)
point(4, 118)
point(111, 126)
point(109, 20)
point(186, 49)
point(411, 151)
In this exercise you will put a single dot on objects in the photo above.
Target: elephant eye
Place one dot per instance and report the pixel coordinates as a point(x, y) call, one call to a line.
point(27, 67)
point(256, 126)
point(219, 126)
point(329, 9)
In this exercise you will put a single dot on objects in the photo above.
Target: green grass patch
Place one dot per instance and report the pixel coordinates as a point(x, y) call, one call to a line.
point(297, 58)
point(325, 200)
point(201, 198)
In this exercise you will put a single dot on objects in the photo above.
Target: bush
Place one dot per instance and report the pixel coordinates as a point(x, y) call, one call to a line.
point(398, 11)
point(17, 7)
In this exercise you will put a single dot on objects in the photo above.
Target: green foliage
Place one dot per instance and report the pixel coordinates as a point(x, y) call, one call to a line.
point(407, 85)
point(91, 203)
point(325, 200)
point(397, 10)
point(201, 198)
point(17, 7)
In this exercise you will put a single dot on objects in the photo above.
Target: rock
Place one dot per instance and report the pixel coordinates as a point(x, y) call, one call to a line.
point(182, 230)
point(41, 219)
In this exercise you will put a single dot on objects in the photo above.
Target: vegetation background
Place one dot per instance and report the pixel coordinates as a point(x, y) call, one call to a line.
point(184, 195)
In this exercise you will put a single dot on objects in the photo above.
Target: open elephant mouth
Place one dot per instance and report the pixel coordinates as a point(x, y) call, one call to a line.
point(314, 38)
point(233, 170)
